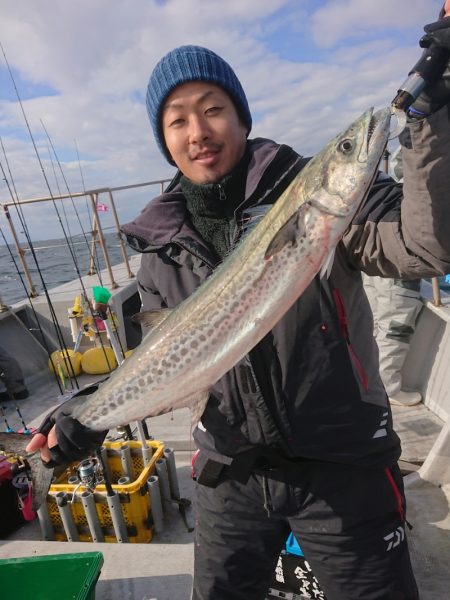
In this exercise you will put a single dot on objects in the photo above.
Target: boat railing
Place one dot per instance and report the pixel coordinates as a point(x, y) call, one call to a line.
point(97, 231)
point(97, 237)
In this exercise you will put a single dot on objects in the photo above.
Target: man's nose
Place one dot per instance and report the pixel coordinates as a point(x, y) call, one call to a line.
point(198, 129)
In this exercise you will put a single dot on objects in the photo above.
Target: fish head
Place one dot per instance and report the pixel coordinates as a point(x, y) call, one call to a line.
point(346, 167)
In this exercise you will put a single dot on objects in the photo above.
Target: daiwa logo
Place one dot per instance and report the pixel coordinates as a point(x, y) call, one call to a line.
point(382, 431)
point(395, 538)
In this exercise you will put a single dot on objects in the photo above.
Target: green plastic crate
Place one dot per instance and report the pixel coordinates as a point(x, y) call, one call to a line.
point(53, 577)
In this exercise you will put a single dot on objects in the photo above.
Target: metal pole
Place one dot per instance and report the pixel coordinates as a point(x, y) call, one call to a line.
point(120, 529)
point(163, 477)
point(172, 472)
point(155, 503)
point(122, 245)
point(436, 291)
point(21, 253)
point(127, 463)
point(146, 451)
point(113, 500)
point(92, 267)
point(66, 517)
point(88, 502)
point(45, 523)
point(112, 338)
point(94, 198)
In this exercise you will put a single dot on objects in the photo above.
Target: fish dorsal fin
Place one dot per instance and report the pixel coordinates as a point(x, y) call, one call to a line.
point(197, 406)
point(252, 216)
point(289, 233)
point(151, 318)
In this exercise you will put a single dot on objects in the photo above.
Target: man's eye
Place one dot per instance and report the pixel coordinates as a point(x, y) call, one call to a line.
point(213, 110)
point(176, 122)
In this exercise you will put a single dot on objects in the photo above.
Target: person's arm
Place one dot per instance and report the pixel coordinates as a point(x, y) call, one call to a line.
point(403, 231)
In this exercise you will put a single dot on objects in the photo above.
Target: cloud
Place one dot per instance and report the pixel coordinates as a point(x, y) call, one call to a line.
point(339, 20)
point(307, 70)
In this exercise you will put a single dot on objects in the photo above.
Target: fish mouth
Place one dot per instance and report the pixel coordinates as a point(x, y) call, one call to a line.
point(378, 127)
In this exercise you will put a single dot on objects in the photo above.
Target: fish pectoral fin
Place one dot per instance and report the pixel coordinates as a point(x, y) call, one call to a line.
point(288, 234)
point(197, 406)
point(328, 265)
point(151, 318)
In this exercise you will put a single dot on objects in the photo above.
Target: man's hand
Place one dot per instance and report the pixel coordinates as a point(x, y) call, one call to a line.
point(43, 443)
point(62, 439)
point(437, 95)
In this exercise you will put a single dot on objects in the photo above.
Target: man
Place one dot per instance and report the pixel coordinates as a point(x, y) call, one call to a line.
point(297, 436)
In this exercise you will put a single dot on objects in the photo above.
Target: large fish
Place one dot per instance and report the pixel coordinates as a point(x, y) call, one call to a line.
point(193, 345)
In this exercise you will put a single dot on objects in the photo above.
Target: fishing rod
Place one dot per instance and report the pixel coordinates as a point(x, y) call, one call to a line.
point(60, 194)
point(26, 431)
point(88, 209)
point(43, 338)
point(112, 339)
point(16, 203)
point(30, 243)
point(91, 254)
point(69, 366)
point(9, 429)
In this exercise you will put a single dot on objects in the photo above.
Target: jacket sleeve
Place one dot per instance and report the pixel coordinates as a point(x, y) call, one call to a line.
point(403, 230)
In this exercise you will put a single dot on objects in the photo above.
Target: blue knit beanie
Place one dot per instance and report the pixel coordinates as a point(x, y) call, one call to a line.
point(191, 63)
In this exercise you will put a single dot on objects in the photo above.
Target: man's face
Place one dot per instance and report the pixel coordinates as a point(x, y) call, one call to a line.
point(202, 131)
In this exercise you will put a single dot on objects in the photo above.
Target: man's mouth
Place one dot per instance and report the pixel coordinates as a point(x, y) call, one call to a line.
point(206, 155)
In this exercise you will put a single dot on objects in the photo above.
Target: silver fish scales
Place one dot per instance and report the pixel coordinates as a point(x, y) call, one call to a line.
point(208, 333)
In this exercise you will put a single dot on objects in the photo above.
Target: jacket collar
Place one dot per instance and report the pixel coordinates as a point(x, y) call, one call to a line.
point(165, 219)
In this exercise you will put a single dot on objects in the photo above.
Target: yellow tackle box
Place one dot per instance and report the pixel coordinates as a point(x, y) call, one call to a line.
point(134, 496)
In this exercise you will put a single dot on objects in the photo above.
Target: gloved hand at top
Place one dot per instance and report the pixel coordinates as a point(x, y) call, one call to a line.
point(438, 94)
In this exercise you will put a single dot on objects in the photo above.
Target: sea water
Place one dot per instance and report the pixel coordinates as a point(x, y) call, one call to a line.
point(55, 263)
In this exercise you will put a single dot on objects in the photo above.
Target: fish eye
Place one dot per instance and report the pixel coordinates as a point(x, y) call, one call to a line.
point(346, 146)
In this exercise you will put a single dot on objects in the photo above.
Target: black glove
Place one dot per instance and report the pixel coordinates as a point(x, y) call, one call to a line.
point(438, 94)
point(75, 441)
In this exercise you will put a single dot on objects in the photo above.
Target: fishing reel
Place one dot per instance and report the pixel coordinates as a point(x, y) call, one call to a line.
point(87, 472)
point(89, 475)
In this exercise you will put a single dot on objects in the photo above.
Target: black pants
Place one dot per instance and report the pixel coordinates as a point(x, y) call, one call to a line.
point(346, 520)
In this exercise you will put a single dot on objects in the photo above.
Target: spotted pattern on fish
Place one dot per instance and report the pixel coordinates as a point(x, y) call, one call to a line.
point(208, 333)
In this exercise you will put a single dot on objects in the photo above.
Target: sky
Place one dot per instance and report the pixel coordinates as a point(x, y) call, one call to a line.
point(81, 69)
